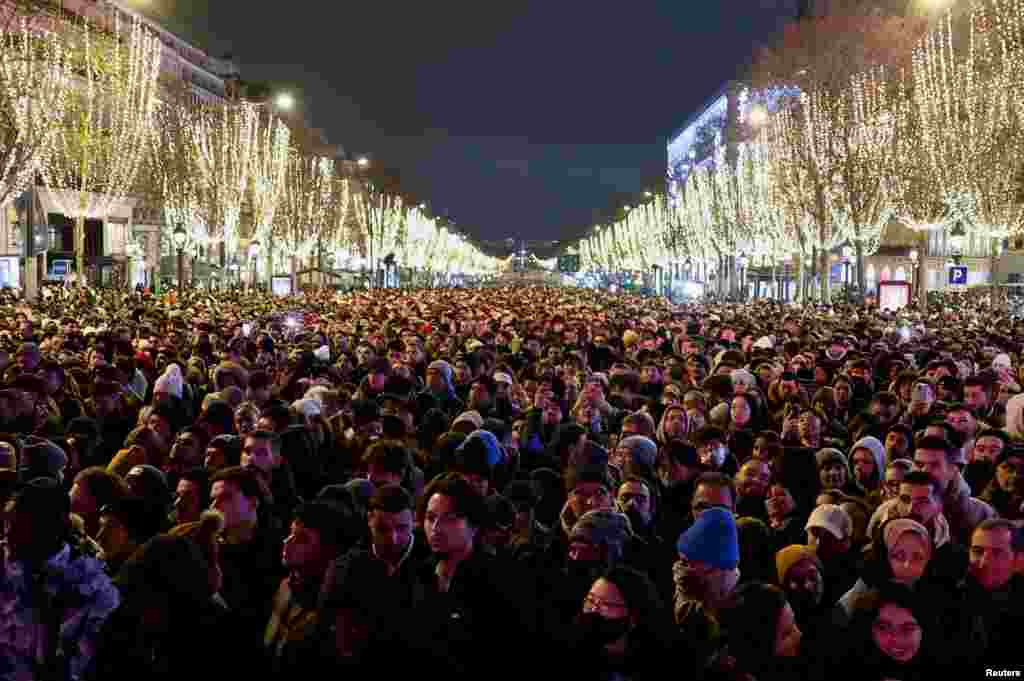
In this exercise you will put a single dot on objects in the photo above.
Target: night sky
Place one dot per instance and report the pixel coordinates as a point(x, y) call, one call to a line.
point(519, 118)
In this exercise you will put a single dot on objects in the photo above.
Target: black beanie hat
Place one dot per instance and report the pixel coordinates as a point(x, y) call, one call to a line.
point(141, 517)
point(84, 428)
point(472, 457)
point(522, 493)
point(43, 497)
point(173, 566)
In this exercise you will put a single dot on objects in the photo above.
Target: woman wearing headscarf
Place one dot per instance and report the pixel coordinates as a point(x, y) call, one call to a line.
point(903, 553)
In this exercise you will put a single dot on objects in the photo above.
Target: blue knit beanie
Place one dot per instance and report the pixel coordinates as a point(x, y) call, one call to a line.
point(480, 448)
point(712, 540)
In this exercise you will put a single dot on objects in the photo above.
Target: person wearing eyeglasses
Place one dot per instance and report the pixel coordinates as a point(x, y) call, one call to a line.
point(895, 471)
point(597, 542)
point(1005, 491)
point(624, 628)
point(706, 575)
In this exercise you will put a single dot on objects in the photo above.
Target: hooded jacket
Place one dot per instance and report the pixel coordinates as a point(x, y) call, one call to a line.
point(877, 450)
point(448, 401)
point(889, 509)
point(660, 432)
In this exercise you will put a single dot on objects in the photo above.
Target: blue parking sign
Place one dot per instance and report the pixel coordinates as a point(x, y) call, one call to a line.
point(958, 275)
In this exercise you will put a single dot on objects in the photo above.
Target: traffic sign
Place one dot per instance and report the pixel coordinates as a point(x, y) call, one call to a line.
point(958, 275)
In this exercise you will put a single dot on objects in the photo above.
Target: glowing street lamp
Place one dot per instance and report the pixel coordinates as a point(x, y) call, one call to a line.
point(363, 162)
point(179, 236)
point(254, 253)
point(957, 239)
point(285, 101)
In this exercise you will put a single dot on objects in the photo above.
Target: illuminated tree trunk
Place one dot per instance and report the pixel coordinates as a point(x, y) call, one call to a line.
point(80, 247)
point(859, 246)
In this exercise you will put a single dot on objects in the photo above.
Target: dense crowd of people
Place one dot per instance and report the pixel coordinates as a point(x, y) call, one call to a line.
point(508, 482)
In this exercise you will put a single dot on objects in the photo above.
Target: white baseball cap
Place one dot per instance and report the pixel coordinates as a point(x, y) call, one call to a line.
point(832, 518)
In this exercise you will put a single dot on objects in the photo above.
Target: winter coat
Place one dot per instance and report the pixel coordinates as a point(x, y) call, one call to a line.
point(986, 625)
point(472, 623)
point(189, 649)
point(963, 511)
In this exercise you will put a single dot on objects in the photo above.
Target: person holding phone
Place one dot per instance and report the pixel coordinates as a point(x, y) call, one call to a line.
point(921, 410)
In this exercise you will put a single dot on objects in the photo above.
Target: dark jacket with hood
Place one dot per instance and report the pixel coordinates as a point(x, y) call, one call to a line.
point(448, 401)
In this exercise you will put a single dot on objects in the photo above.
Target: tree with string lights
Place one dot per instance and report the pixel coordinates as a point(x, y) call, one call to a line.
point(106, 133)
point(225, 139)
point(268, 177)
point(35, 81)
point(382, 216)
point(959, 145)
point(832, 143)
point(170, 177)
point(306, 211)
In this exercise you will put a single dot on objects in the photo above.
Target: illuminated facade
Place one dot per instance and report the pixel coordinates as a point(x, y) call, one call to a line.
point(682, 145)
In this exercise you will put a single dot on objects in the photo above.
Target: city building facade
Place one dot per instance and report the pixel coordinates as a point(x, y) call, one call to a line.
point(37, 239)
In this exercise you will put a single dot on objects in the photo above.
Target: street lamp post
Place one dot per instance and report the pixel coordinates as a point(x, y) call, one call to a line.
point(254, 253)
point(179, 237)
point(234, 268)
point(807, 279)
point(848, 254)
point(1000, 250)
point(957, 237)
point(742, 262)
point(918, 287)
